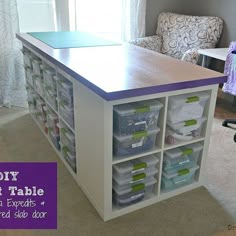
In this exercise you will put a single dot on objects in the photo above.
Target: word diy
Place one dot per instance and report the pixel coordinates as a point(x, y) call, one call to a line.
point(8, 175)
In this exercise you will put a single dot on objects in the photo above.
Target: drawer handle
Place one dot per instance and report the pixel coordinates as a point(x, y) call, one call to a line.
point(192, 99)
point(138, 187)
point(142, 109)
point(190, 122)
point(139, 135)
point(139, 166)
point(137, 196)
point(180, 181)
point(141, 123)
point(65, 149)
point(134, 171)
point(183, 172)
point(138, 177)
point(187, 151)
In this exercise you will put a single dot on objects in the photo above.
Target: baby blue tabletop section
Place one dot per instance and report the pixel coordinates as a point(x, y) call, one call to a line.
point(71, 39)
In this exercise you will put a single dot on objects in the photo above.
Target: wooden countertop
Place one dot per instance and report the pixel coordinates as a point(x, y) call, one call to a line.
point(122, 71)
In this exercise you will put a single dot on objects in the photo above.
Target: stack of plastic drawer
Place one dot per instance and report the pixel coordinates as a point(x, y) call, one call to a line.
point(31, 98)
point(37, 75)
point(40, 113)
point(135, 127)
point(27, 58)
point(134, 179)
point(53, 130)
point(180, 165)
point(50, 87)
point(28, 76)
point(68, 146)
point(28, 66)
point(66, 105)
point(185, 116)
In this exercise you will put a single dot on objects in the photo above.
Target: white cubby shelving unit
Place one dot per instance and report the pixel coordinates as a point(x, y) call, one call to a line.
point(44, 104)
point(93, 131)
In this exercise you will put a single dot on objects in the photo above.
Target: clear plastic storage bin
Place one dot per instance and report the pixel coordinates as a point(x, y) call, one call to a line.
point(184, 131)
point(146, 185)
point(28, 75)
point(67, 100)
point(40, 103)
point(36, 65)
point(135, 117)
point(69, 157)
point(136, 143)
point(52, 120)
point(65, 87)
point(135, 166)
point(135, 178)
point(27, 58)
point(42, 121)
point(181, 178)
point(182, 156)
point(55, 138)
point(51, 98)
point(38, 84)
point(187, 126)
point(49, 76)
point(67, 114)
point(68, 139)
point(186, 106)
point(128, 199)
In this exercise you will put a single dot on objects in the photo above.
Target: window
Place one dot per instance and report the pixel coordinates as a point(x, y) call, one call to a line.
point(36, 15)
point(103, 17)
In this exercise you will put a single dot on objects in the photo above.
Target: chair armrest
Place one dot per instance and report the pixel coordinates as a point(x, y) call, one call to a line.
point(191, 56)
point(151, 42)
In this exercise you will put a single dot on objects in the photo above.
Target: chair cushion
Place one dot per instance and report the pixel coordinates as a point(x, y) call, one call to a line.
point(182, 32)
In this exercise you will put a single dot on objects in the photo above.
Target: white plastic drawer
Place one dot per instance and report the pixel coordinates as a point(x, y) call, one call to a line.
point(130, 198)
point(67, 113)
point(135, 166)
point(135, 117)
point(136, 143)
point(186, 106)
point(187, 126)
point(171, 182)
point(38, 84)
point(178, 173)
point(52, 120)
point(65, 87)
point(181, 133)
point(36, 65)
point(129, 188)
point(68, 139)
point(69, 157)
point(49, 76)
point(51, 98)
point(55, 138)
point(27, 59)
point(135, 178)
point(182, 156)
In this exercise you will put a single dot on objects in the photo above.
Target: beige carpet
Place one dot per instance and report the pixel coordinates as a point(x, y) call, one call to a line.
point(203, 211)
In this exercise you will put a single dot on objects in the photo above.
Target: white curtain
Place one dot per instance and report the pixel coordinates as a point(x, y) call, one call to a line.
point(12, 78)
point(133, 19)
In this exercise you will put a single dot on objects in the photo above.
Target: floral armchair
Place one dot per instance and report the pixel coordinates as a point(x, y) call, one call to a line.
point(180, 36)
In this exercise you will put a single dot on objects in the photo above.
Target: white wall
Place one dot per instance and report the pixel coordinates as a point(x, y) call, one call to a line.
point(36, 15)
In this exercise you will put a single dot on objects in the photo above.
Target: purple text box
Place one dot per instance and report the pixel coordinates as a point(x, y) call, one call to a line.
point(28, 195)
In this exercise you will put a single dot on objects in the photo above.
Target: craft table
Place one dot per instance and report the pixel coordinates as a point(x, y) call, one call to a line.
point(104, 77)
